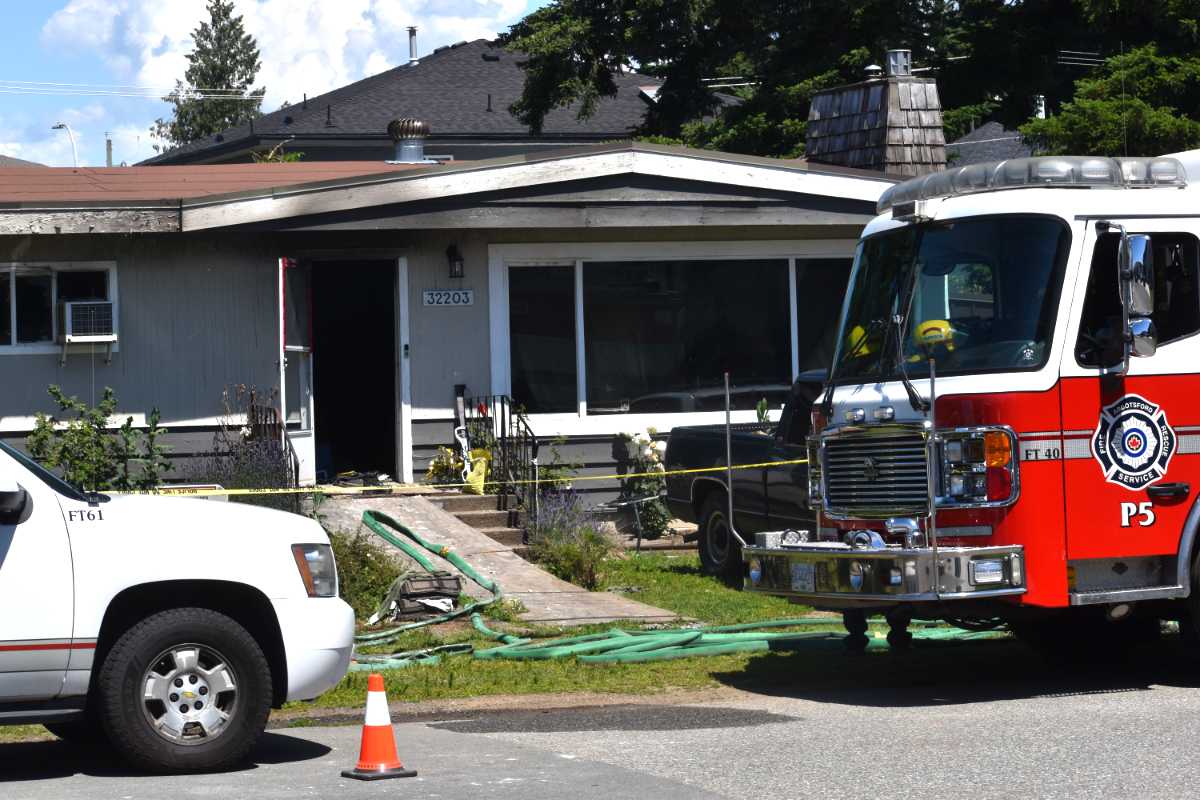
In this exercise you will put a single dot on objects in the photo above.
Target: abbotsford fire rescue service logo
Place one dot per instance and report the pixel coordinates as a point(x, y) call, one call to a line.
point(1133, 442)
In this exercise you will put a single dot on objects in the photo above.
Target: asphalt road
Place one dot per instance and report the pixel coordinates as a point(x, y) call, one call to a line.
point(979, 720)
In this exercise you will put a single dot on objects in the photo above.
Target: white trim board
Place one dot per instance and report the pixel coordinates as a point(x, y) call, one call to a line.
point(440, 183)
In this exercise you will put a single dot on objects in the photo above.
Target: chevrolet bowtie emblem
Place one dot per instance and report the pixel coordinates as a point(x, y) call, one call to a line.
point(870, 469)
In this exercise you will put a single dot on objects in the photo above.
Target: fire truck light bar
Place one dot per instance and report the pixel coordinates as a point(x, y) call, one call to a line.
point(1044, 171)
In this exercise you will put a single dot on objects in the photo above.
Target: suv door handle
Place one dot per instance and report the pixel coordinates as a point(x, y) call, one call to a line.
point(1169, 491)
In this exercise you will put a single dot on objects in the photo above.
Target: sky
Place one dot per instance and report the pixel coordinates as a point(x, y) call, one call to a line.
point(306, 46)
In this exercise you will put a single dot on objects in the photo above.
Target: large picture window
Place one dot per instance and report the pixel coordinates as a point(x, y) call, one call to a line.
point(31, 294)
point(542, 337)
point(659, 335)
point(620, 334)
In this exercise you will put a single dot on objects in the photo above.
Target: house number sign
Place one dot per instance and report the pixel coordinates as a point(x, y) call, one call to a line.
point(448, 297)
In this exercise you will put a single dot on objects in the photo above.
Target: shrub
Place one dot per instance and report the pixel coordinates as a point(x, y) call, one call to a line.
point(567, 543)
point(91, 456)
point(365, 570)
point(243, 458)
point(644, 463)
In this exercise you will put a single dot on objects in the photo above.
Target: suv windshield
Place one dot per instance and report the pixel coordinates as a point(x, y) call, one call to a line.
point(56, 483)
point(980, 294)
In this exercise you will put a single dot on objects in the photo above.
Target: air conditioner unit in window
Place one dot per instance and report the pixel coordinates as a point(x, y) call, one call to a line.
point(84, 322)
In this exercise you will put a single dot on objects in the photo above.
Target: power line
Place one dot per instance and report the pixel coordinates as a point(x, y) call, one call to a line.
point(101, 90)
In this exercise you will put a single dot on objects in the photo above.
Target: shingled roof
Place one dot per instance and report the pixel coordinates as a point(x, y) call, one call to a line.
point(891, 124)
point(462, 91)
point(991, 141)
point(9, 161)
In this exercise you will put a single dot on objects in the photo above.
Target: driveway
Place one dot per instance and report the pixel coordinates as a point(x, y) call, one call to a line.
point(987, 719)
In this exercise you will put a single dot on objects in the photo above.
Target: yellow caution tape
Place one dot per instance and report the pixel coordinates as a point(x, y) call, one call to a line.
point(409, 488)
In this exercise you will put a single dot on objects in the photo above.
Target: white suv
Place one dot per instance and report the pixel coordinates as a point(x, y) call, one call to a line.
point(169, 626)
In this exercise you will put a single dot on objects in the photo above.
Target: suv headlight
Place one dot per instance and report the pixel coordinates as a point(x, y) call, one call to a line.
point(317, 569)
point(978, 467)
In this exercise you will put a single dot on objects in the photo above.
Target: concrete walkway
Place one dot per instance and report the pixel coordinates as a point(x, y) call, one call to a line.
point(549, 600)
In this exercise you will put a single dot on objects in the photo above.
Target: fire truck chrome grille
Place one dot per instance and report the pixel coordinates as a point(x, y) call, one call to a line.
point(875, 471)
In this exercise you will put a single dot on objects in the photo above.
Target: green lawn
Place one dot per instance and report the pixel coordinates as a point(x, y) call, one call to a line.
point(672, 581)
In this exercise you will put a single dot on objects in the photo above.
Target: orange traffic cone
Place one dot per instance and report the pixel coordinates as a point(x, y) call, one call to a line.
point(377, 757)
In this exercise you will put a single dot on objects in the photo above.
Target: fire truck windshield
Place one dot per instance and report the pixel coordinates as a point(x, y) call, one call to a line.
point(979, 294)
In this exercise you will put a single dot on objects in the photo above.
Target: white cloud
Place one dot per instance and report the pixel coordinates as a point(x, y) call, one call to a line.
point(307, 46)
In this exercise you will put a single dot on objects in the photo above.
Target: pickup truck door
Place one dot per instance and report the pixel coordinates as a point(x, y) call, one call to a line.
point(36, 592)
point(787, 486)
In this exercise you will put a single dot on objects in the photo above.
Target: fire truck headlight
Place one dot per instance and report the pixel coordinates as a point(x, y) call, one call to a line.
point(978, 466)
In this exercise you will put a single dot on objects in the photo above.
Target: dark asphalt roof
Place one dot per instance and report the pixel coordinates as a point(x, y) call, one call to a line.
point(449, 89)
point(9, 161)
point(991, 141)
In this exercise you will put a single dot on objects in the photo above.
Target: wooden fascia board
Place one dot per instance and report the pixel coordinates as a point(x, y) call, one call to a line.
point(356, 194)
point(50, 221)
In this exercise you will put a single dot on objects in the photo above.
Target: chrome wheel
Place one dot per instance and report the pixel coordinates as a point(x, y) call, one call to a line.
point(189, 694)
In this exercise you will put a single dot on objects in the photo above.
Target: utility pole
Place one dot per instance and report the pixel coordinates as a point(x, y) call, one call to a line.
point(107, 149)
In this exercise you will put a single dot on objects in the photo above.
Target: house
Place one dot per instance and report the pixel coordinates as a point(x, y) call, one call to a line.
point(9, 161)
point(462, 92)
point(991, 141)
point(603, 288)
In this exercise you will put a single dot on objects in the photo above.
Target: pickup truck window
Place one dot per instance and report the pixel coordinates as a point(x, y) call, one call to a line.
point(49, 478)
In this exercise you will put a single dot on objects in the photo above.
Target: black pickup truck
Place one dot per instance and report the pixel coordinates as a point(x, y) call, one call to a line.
point(764, 499)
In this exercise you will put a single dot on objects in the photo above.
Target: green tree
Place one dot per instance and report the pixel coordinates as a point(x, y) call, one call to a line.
point(1141, 103)
point(224, 59)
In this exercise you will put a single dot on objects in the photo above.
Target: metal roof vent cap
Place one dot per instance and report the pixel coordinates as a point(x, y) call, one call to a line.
point(409, 135)
point(874, 72)
point(899, 63)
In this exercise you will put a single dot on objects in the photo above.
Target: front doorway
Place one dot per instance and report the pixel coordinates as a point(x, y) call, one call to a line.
point(354, 365)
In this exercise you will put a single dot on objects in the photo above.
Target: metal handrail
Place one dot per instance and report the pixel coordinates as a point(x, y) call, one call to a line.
point(493, 424)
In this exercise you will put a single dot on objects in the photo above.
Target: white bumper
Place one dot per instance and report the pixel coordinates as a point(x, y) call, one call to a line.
point(318, 637)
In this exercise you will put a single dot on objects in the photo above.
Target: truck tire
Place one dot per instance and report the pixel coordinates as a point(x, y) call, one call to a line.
point(720, 553)
point(184, 690)
point(1078, 636)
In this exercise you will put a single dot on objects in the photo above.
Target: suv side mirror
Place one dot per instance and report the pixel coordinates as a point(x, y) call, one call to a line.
point(13, 502)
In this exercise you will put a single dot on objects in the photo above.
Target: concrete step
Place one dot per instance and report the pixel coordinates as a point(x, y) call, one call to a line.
point(489, 519)
point(509, 536)
point(456, 503)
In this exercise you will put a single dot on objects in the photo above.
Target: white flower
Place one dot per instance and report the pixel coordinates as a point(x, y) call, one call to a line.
point(647, 453)
point(660, 447)
point(245, 432)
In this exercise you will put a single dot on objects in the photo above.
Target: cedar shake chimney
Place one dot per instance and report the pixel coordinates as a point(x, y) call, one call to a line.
point(891, 123)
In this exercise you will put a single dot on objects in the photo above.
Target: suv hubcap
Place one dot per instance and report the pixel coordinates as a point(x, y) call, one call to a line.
point(189, 694)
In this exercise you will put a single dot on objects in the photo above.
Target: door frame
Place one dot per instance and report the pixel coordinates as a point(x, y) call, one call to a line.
point(401, 320)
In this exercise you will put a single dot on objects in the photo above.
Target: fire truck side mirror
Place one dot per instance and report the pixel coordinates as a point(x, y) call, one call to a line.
point(1137, 275)
point(1136, 270)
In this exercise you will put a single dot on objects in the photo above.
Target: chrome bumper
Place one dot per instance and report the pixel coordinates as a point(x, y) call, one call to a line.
point(834, 571)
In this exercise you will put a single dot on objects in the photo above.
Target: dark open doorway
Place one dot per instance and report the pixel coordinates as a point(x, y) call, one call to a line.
point(354, 365)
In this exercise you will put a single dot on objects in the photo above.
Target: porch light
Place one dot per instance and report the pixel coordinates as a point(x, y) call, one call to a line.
point(454, 260)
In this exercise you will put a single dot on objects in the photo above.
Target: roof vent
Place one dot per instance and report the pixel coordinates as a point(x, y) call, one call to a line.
point(899, 63)
point(412, 45)
point(409, 135)
point(873, 72)
point(491, 56)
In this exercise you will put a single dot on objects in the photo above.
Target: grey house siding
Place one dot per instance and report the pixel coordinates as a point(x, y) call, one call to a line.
point(197, 314)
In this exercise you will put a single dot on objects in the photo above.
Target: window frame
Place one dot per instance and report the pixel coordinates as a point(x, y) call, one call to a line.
point(521, 256)
point(52, 347)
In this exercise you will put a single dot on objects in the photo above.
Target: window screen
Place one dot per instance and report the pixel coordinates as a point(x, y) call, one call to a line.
point(35, 309)
point(541, 317)
point(660, 334)
point(1176, 297)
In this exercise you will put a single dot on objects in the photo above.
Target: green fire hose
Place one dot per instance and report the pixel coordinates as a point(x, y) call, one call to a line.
point(610, 647)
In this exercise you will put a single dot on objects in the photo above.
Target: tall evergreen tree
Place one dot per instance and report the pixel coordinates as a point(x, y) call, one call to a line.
point(224, 59)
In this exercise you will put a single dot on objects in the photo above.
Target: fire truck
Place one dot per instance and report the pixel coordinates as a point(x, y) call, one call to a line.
point(1010, 432)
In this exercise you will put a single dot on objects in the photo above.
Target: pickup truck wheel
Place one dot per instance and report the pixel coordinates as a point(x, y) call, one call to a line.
point(185, 690)
point(720, 554)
